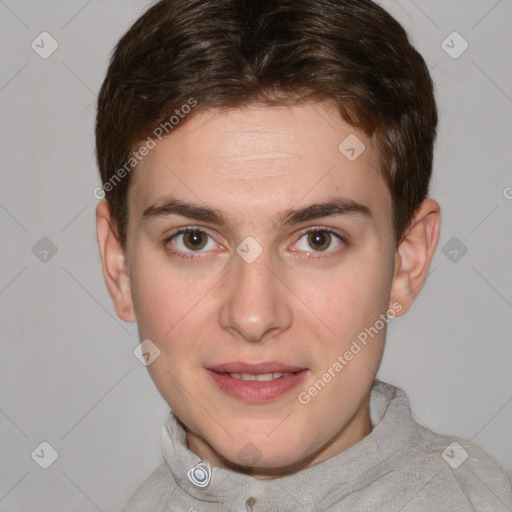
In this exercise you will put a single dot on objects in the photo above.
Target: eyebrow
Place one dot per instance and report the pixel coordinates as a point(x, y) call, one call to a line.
point(332, 207)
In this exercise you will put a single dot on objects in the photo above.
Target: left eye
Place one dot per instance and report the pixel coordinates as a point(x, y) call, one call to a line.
point(319, 240)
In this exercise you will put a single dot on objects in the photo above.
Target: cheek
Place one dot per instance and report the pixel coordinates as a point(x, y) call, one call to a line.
point(160, 293)
point(152, 294)
point(170, 313)
point(350, 298)
point(161, 301)
point(172, 309)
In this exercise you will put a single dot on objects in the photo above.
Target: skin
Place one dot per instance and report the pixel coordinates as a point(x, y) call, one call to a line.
point(294, 304)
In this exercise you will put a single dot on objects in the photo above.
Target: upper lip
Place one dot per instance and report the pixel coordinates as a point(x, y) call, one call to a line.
point(258, 368)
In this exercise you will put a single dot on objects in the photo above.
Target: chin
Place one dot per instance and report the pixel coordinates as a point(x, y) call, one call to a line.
point(271, 464)
point(257, 454)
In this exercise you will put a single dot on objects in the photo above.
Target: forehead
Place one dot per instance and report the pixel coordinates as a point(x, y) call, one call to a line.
point(261, 158)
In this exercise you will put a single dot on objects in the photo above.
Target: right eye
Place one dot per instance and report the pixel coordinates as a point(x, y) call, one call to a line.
point(190, 240)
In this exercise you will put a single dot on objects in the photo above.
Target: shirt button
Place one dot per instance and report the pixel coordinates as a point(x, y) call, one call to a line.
point(200, 474)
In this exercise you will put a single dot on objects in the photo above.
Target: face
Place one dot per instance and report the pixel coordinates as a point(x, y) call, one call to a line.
point(261, 258)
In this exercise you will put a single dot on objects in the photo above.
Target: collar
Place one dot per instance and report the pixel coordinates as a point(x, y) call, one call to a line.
point(393, 431)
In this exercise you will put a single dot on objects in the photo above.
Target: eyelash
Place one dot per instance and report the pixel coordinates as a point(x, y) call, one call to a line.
point(190, 255)
point(322, 229)
point(186, 255)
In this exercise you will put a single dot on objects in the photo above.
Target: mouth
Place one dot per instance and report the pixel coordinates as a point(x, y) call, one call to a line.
point(256, 382)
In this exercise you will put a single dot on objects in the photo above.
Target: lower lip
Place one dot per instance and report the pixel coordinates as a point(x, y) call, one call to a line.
point(257, 391)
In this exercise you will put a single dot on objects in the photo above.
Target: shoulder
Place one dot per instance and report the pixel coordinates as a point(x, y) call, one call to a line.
point(447, 472)
point(470, 470)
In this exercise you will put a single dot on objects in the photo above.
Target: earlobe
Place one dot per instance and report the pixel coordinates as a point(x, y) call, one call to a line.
point(113, 261)
point(414, 254)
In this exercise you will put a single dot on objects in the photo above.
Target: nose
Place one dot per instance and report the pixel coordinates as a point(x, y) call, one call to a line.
point(257, 304)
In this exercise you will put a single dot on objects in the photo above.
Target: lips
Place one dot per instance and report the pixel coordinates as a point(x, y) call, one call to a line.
point(256, 382)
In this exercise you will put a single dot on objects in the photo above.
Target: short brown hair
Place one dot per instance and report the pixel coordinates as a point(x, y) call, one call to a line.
point(230, 53)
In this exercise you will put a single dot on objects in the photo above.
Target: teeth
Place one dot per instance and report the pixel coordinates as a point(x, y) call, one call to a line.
point(259, 377)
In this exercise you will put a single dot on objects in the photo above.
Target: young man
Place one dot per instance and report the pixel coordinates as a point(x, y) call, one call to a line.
point(266, 169)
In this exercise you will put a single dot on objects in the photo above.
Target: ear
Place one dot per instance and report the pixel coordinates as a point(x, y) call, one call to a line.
point(414, 254)
point(113, 261)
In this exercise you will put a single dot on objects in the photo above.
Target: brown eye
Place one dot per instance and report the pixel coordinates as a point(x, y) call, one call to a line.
point(191, 243)
point(195, 240)
point(319, 240)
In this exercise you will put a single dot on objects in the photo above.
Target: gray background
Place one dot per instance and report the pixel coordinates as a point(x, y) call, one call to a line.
point(68, 375)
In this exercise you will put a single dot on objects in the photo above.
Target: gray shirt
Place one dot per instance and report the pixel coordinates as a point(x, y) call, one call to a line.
point(400, 466)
